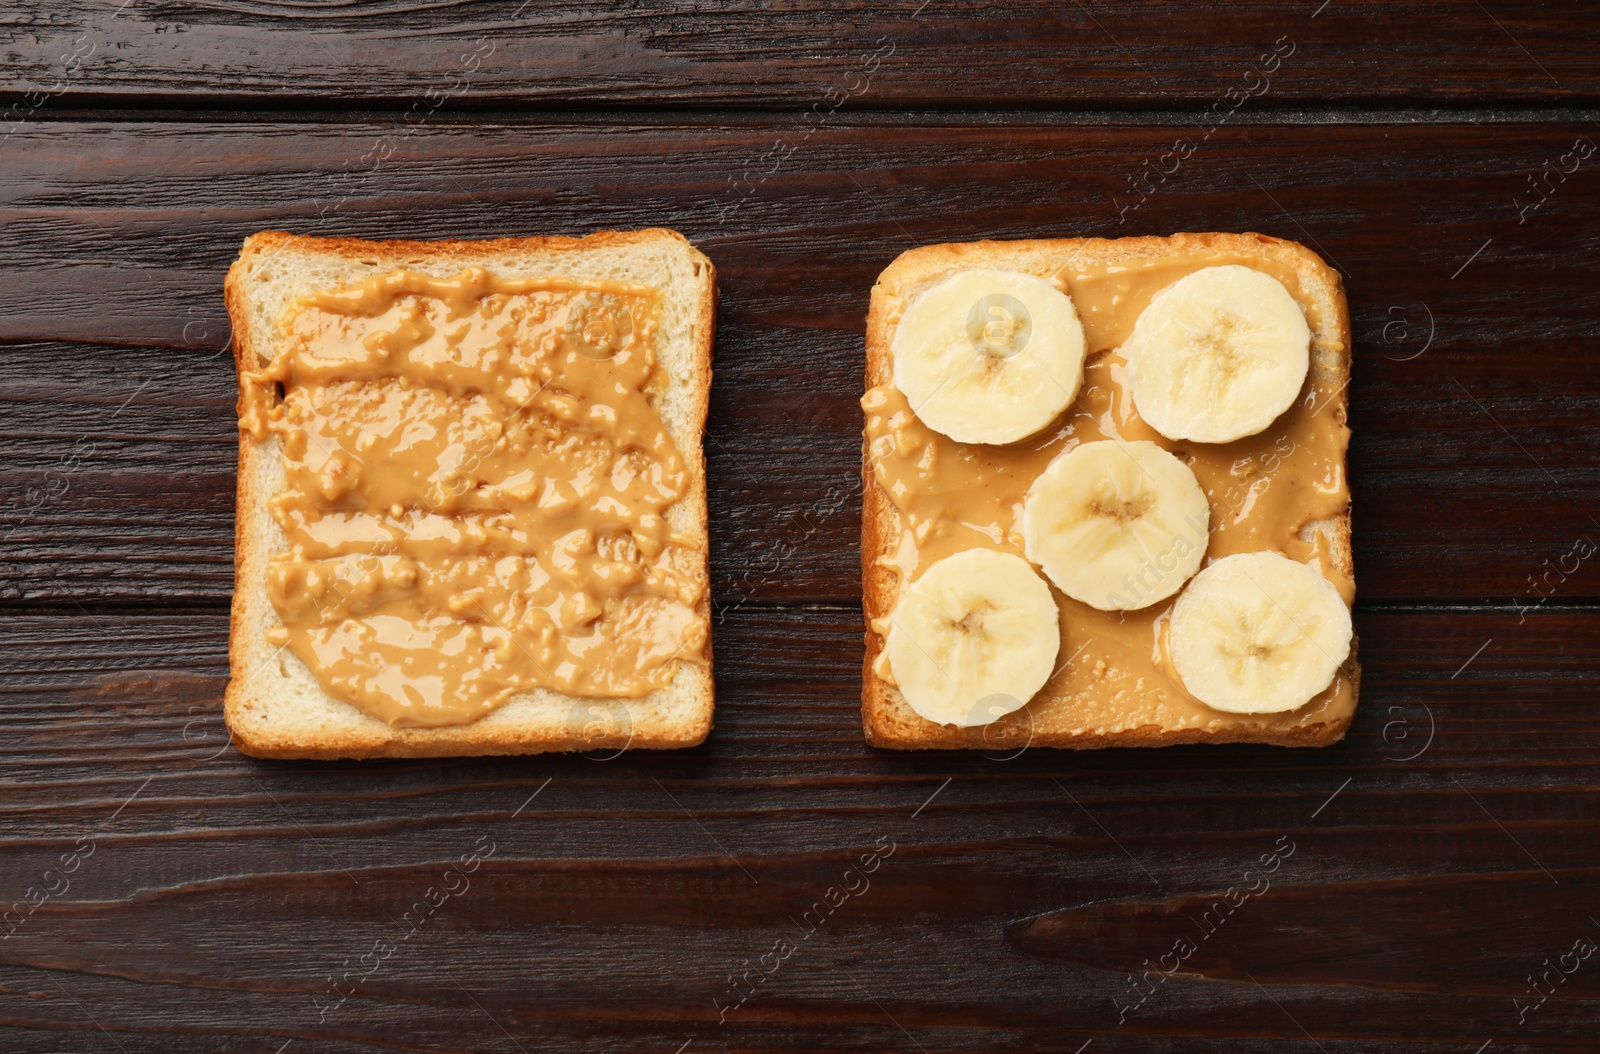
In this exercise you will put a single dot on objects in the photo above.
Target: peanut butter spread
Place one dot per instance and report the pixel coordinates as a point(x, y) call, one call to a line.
point(1264, 491)
point(475, 494)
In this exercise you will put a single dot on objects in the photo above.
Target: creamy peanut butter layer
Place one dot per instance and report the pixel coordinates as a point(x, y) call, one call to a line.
point(475, 491)
point(1264, 491)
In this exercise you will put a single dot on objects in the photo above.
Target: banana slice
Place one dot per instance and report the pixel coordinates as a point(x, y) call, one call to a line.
point(1117, 525)
point(1258, 633)
point(989, 356)
point(973, 638)
point(1218, 355)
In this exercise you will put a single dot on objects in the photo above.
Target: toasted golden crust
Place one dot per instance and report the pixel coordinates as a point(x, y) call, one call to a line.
point(886, 719)
point(337, 730)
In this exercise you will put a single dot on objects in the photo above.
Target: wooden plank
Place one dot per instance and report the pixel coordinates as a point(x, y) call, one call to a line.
point(1428, 864)
point(788, 683)
point(1476, 471)
point(798, 54)
point(1412, 889)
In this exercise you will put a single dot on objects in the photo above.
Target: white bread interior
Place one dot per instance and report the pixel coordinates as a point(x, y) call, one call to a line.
point(274, 705)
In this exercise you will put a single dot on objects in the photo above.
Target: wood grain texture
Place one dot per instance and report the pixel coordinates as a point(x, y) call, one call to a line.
point(1436, 857)
point(1139, 53)
point(162, 894)
point(117, 452)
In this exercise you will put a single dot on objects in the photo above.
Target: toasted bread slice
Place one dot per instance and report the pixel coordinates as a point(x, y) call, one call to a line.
point(274, 706)
point(1052, 719)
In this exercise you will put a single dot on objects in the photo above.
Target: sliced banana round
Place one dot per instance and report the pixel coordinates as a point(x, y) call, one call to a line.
point(973, 638)
point(1218, 355)
point(989, 356)
point(1117, 525)
point(1258, 633)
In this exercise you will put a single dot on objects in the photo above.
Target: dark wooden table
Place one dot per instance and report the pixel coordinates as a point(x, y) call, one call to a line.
point(1433, 883)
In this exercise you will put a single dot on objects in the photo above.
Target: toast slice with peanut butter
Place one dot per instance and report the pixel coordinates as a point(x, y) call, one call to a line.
point(471, 498)
point(1105, 497)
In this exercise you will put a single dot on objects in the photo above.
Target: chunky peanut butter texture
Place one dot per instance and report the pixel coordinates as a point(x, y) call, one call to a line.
point(475, 482)
point(1114, 672)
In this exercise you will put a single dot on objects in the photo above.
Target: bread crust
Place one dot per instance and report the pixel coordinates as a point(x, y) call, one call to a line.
point(487, 736)
point(887, 720)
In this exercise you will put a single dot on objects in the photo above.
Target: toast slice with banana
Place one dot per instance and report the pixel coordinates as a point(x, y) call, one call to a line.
point(1105, 497)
